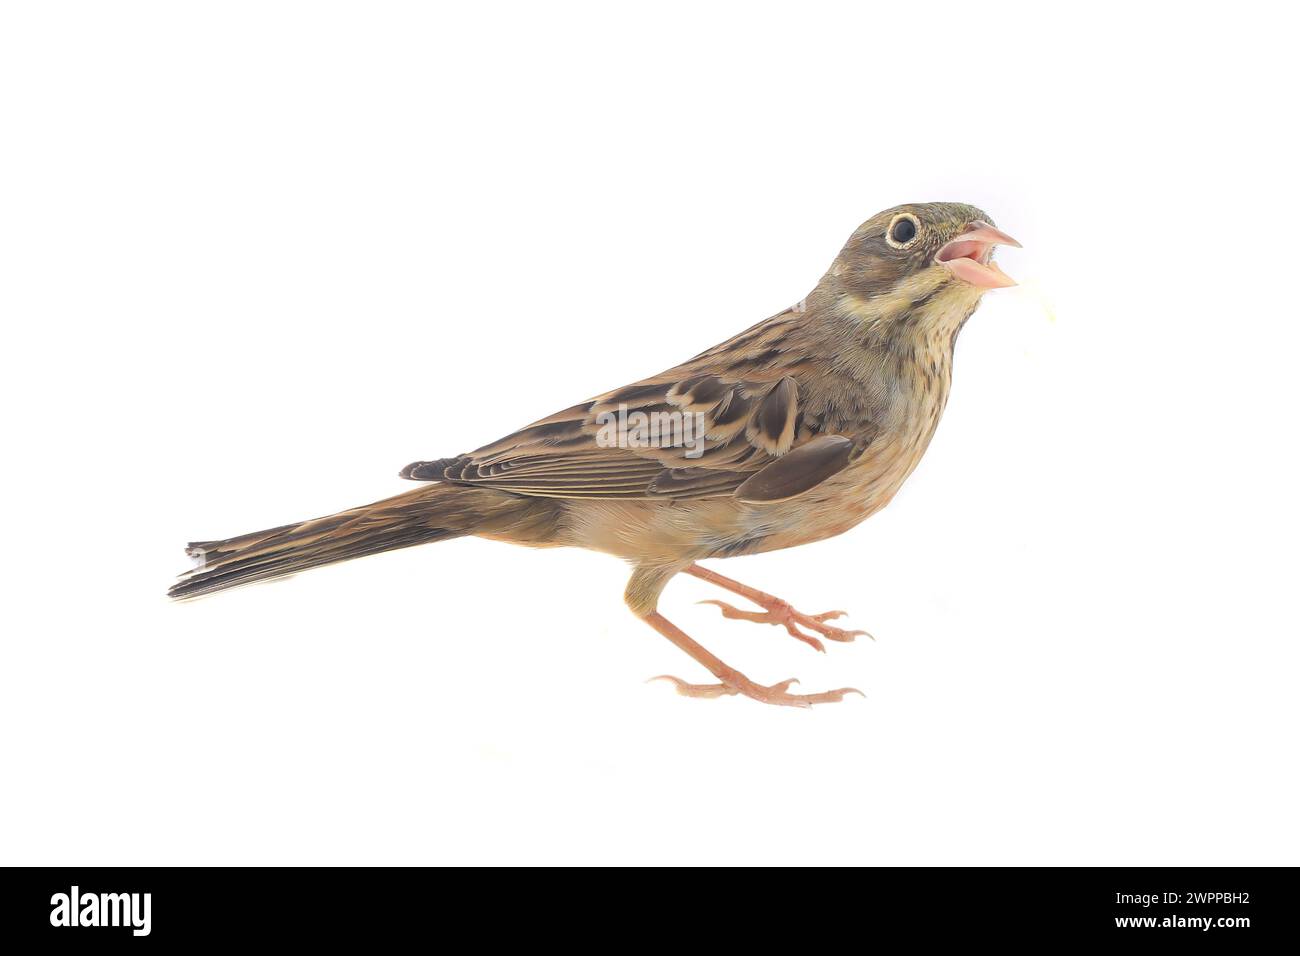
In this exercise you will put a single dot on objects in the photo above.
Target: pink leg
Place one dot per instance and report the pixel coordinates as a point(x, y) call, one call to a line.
point(775, 611)
point(732, 681)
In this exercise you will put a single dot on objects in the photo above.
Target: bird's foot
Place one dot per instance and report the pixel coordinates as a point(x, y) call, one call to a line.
point(776, 611)
point(777, 694)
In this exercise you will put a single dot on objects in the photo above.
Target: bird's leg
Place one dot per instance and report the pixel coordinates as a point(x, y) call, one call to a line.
point(732, 681)
point(775, 611)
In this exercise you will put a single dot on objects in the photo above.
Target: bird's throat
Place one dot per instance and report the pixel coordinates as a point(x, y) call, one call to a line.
point(919, 313)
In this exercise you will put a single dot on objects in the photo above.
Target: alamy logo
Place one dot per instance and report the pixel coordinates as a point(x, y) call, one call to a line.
point(101, 909)
point(636, 428)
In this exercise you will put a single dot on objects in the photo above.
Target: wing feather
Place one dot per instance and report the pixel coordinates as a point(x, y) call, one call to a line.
point(725, 430)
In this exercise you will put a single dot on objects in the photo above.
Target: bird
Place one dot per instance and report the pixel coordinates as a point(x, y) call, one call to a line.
point(792, 431)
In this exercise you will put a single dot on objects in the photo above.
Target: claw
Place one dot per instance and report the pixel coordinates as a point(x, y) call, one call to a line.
point(766, 617)
point(735, 613)
point(775, 694)
point(697, 690)
point(776, 611)
point(782, 613)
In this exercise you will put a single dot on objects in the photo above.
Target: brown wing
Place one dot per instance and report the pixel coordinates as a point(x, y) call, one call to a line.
point(700, 436)
point(801, 470)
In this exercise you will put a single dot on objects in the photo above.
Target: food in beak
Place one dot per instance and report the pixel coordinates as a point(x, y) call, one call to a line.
point(970, 256)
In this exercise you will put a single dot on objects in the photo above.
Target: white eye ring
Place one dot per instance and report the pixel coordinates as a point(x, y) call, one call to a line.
point(893, 223)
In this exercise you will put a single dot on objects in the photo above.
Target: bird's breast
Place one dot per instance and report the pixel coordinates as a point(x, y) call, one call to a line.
point(921, 384)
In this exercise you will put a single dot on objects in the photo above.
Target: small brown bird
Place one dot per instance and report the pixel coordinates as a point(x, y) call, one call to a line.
point(792, 431)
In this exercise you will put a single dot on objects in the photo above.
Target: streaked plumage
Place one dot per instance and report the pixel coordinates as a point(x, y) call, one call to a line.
point(812, 420)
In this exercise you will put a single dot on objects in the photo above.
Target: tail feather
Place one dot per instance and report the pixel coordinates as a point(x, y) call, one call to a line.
point(418, 517)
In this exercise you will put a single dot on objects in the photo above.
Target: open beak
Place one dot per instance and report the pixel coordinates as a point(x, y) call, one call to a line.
point(970, 256)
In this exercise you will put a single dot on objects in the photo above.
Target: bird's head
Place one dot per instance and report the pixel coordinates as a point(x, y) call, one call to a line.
point(922, 250)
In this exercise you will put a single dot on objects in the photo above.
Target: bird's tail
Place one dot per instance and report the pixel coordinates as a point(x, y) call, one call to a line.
point(431, 513)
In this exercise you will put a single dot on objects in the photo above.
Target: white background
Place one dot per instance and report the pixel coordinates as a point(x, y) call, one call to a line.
point(255, 257)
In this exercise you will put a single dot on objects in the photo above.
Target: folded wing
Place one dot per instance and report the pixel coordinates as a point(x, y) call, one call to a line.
point(703, 436)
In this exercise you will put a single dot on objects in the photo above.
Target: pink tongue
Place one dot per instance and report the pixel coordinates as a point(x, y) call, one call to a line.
point(980, 275)
point(958, 250)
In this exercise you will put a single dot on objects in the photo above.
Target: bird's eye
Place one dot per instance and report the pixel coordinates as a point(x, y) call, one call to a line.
point(902, 230)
